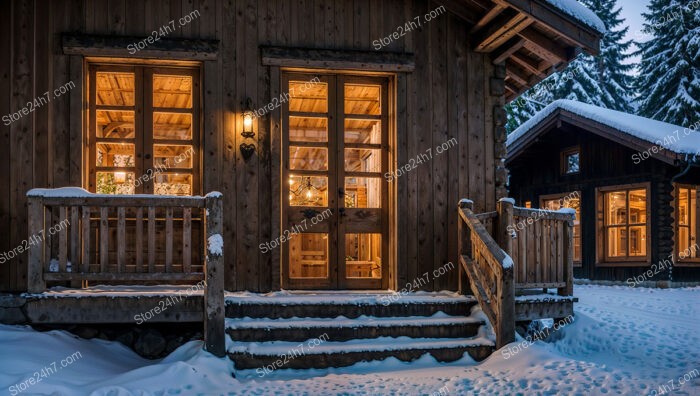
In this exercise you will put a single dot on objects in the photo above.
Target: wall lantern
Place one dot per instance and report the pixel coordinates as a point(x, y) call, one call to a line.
point(247, 149)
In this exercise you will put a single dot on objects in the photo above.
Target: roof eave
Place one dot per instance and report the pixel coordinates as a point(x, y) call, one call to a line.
point(514, 149)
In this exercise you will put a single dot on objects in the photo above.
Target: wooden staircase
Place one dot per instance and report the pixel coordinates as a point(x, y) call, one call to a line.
point(334, 330)
point(510, 269)
point(303, 332)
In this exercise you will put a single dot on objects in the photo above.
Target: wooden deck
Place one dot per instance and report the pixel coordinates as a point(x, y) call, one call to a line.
point(159, 240)
point(105, 304)
point(510, 269)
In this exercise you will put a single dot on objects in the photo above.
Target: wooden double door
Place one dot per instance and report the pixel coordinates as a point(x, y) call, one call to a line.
point(335, 155)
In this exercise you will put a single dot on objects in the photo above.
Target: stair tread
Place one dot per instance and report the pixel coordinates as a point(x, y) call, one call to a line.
point(382, 344)
point(543, 298)
point(439, 319)
point(346, 298)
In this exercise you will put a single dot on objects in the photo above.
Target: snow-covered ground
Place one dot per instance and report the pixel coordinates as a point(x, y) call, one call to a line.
point(624, 342)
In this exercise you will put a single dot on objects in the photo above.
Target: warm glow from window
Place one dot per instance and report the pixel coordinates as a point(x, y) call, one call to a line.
point(571, 201)
point(138, 145)
point(625, 224)
point(686, 218)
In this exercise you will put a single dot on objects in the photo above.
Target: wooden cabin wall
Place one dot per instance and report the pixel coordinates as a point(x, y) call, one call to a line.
point(448, 95)
point(603, 163)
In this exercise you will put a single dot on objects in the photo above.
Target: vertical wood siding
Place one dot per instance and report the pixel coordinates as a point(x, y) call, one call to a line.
point(446, 97)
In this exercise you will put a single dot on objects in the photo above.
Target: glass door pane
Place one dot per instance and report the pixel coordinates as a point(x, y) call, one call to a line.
point(308, 255)
point(364, 161)
point(363, 255)
point(308, 165)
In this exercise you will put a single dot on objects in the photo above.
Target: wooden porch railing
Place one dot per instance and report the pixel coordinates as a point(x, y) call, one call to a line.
point(530, 249)
point(490, 273)
point(79, 237)
point(543, 250)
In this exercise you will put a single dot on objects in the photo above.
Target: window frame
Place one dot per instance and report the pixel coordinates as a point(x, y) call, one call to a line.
point(603, 259)
point(687, 261)
point(560, 196)
point(564, 163)
point(144, 142)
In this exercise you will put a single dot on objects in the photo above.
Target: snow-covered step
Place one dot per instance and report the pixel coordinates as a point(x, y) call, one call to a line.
point(530, 306)
point(327, 304)
point(321, 353)
point(439, 325)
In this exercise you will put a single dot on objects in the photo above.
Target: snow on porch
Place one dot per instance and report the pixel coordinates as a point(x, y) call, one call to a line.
point(624, 341)
point(345, 297)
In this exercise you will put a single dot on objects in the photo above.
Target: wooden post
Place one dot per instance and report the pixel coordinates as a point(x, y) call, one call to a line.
point(35, 275)
point(505, 328)
point(568, 290)
point(463, 244)
point(505, 220)
point(214, 309)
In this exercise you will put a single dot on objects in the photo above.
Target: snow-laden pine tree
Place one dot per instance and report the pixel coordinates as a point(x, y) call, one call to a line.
point(603, 80)
point(669, 74)
point(614, 72)
point(529, 103)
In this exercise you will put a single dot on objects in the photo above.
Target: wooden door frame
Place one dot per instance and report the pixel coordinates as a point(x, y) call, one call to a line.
point(279, 78)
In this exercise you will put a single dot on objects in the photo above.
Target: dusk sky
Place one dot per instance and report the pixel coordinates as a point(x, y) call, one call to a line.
point(632, 13)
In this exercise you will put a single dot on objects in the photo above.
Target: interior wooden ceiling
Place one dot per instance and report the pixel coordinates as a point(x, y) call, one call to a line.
point(172, 103)
point(531, 37)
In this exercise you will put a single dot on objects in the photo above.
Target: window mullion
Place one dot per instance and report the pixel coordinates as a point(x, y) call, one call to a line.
point(147, 127)
point(628, 236)
point(92, 127)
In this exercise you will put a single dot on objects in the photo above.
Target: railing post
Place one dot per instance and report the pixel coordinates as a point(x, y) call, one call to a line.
point(463, 243)
point(214, 309)
point(35, 267)
point(505, 219)
point(505, 331)
point(568, 290)
point(505, 328)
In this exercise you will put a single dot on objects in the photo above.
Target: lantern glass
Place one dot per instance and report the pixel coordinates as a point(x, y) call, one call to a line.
point(248, 122)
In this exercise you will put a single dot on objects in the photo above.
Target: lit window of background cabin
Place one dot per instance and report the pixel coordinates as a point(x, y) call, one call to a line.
point(571, 201)
point(625, 225)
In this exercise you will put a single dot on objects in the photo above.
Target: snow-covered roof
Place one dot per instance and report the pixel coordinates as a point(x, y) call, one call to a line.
point(668, 136)
point(579, 12)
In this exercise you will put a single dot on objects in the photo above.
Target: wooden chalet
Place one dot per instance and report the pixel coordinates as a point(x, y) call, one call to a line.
point(203, 132)
point(632, 181)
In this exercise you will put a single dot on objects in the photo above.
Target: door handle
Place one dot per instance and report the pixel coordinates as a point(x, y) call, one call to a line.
point(341, 212)
point(341, 192)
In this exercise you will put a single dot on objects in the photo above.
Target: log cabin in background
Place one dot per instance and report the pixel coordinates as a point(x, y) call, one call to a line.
point(296, 112)
point(632, 181)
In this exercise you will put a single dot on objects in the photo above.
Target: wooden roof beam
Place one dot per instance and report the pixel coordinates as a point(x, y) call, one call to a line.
point(543, 46)
point(512, 89)
point(564, 25)
point(488, 17)
point(516, 74)
point(462, 11)
point(500, 30)
point(506, 50)
point(528, 64)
